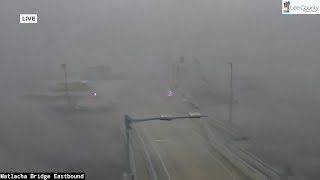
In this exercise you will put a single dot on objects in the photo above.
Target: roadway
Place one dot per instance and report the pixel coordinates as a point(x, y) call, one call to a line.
point(174, 150)
point(179, 152)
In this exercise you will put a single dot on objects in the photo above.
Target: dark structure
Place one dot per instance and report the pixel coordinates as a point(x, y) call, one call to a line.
point(103, 72)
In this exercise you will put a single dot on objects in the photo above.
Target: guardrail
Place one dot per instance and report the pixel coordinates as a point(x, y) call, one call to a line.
point(243, 159)
point(252, 166)
point(244, 154)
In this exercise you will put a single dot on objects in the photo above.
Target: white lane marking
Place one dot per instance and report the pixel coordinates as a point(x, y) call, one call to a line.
point(148, 156)
point(157, 152)
point(212, 156)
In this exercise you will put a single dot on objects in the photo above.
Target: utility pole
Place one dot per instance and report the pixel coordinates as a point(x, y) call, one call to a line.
point(64, 67)
point(231, 96)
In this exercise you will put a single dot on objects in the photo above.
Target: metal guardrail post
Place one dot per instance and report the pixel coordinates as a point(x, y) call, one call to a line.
point(129, 174)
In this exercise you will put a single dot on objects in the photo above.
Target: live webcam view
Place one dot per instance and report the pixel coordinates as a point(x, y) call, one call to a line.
point(159, 90)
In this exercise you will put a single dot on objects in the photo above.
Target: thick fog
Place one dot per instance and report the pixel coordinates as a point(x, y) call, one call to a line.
point(279, 53)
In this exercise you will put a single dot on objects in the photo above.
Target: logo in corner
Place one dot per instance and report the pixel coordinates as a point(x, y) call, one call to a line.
point(286, 7)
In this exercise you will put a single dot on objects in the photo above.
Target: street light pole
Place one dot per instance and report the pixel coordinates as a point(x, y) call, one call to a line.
point(64, 67)
point(128, 126)
point(231, 96)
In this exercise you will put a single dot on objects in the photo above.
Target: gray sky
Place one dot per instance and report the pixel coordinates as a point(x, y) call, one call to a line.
point(253, 34)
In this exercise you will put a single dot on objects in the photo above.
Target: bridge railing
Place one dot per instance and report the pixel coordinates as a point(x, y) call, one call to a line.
point(251, 165)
